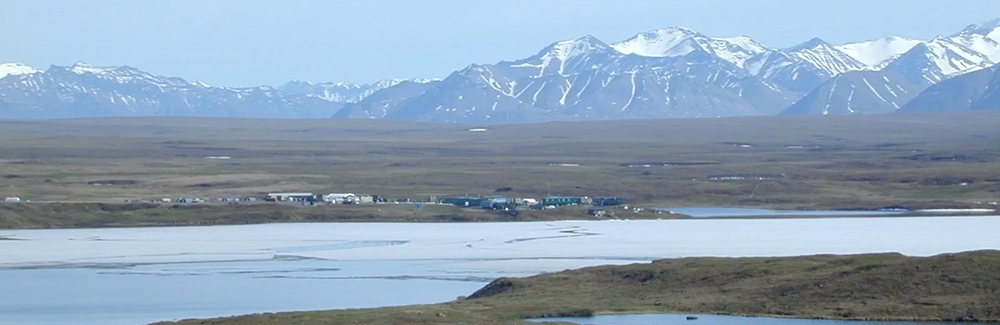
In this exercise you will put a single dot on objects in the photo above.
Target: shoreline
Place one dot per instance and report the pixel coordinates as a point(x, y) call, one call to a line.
point(798, 287)
point(805, 317)
point(25, 216)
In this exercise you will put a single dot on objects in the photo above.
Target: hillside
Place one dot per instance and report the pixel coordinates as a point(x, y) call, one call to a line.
point(949, 287)
point(978, 90)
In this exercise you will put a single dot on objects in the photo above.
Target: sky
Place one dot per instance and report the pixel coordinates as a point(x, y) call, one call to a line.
point(256, 42)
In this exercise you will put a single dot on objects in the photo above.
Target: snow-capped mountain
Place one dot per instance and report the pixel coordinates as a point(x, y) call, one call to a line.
point(906, 73)
point(679, 41)
point(874, 53)
point(86, 91)
point(990, 29)
point(825, 57)
point(680, 74)
point(663, 73)
point(979, 90)
point(7, 69)
point(789, 71)
point(889, 88)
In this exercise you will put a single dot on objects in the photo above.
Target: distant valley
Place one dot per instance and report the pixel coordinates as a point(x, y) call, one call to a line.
point(666, 73)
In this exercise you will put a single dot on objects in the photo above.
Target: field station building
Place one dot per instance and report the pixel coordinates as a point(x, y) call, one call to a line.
point(290, 197)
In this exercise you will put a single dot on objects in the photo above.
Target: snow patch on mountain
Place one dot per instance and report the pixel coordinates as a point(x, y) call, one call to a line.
point(826, 57)
point(667, 42)
point(978, 43)
point(990, 29)
point(737, 50)
point(83, 67)
point(7, 69)
point(953, 58)
point(568, 49)
point(563, 54)
point(680, 41)
point(875, 52)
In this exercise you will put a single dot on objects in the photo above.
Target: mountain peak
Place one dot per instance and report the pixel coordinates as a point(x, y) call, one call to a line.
point(84, 68)
point(745, 43)
point(813, 43)
point(664, 42)
point(675, 30)
point(876, 52)
point(15, 69)
point(982, 28)
point(565, 49)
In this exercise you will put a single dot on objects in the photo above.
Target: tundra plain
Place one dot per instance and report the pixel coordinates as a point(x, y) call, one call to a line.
point(819, 162)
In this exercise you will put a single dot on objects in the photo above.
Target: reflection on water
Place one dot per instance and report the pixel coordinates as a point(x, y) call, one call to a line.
point(675, 319)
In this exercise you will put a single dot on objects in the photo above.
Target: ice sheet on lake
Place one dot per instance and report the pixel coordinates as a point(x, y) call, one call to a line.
point(535, 246)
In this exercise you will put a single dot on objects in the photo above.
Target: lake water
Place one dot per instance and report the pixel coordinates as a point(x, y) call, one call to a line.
point(146, 293)
point(671, 319)
point(143, 275)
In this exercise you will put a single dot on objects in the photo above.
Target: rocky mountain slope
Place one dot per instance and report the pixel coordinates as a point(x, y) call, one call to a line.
point(675, 72)
point(893, 82)
point(978, 90)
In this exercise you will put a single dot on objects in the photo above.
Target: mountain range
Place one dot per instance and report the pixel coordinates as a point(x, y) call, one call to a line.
point(665, 73)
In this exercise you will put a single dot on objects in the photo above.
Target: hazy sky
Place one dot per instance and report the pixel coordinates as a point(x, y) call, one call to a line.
point(251, 42)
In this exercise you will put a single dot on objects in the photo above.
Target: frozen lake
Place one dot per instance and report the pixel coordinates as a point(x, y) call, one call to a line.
point(142, 275)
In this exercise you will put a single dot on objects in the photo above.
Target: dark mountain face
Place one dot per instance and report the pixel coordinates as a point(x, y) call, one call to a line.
point(787, 72)
point(978, 90)
point(991, 97)
point(378, 104)
point(857, 92)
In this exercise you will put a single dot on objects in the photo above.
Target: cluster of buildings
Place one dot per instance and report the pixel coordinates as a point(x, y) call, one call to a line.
point(740, 177)
point(548, 202)
point(490, 202)
point(303, 197)
point(229, 200)
point(597, 204)
point(332, 198)
point(297, 197)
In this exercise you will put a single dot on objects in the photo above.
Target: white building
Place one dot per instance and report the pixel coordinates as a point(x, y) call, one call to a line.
point(340, 198)
point(12, 199)
point(289, 197)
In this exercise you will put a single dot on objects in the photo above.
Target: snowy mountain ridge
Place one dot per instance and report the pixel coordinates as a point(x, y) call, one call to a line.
point(82, 90)
point(874, 53)
point(679, 41)
point(661, 73)
point(15, 69)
